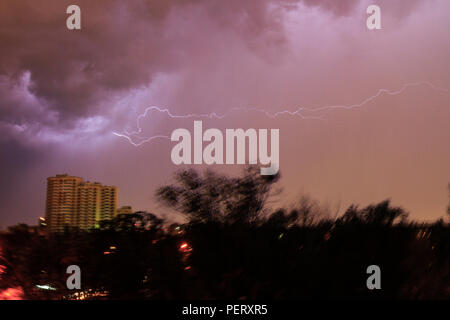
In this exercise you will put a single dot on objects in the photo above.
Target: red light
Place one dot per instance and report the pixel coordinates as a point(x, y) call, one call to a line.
point(184, 245)
point(11, 294)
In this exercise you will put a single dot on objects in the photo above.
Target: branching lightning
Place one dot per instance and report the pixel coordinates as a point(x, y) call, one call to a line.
point(299, 112)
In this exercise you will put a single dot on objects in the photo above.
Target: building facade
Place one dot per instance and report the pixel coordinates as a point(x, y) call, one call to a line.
point(124, 210)
point(74, 203)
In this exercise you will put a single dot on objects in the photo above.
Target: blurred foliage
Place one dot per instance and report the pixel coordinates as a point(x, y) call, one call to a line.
point(234, 247)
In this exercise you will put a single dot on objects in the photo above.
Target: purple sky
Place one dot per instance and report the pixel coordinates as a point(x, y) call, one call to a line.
point(63, 94)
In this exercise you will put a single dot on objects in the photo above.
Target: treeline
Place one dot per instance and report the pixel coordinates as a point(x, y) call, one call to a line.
point(233, 247)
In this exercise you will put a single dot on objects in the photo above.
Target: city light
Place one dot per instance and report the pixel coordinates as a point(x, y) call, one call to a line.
point(184, 245)
point(11, 294)
point(45, 287)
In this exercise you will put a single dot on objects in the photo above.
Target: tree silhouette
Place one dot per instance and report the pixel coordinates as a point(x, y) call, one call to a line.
point(234, 247)
point(375, 214)
point(218, 198)
point(448, 207)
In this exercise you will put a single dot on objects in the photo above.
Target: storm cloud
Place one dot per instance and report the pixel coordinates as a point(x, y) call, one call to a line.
point(63, 92)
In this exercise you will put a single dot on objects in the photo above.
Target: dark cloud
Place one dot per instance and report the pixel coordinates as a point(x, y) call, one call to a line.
point(121, 46)
point(60, 85)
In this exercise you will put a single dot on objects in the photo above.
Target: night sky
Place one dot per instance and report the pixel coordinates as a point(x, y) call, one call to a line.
point(64, 93)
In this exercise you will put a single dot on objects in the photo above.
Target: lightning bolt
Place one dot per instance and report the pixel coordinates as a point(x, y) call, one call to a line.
point(299, 112)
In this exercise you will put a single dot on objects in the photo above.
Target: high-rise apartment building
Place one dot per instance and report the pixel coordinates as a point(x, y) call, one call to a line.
point(87, 211)
point(108, 202)
point(61, 201)
point(72, 202)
